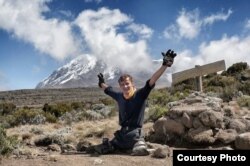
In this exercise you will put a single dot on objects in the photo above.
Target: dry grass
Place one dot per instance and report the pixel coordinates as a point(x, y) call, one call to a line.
point(73, 133)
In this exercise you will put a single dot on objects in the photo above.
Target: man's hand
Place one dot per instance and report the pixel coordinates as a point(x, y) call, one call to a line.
point(168, 58)
point(101, 79)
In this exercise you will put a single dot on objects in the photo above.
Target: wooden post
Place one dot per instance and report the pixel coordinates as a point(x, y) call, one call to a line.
point(198, 80)
point(198, 72)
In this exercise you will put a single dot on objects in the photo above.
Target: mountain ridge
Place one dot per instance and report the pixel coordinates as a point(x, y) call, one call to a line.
point(83, 70)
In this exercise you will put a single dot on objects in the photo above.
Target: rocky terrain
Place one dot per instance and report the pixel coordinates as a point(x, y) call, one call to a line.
point(204, 120)
point(200, 121)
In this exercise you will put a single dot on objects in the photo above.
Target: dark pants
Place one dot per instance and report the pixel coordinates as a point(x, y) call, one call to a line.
point(125, 138)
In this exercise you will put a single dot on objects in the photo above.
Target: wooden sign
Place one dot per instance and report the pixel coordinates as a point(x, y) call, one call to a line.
point(198, 71)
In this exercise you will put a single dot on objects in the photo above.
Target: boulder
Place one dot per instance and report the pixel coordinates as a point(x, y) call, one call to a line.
point(242, 141)
point(174, 127)
point(190, 101)
point(238, 125)
point(226, 136)
point(212, 119)
point(187, 120)
point(191, 110)
point(54, 147)
point(197, 123)
point(201, 136)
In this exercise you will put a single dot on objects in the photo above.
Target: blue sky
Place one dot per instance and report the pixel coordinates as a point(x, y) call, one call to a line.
point(38, 36)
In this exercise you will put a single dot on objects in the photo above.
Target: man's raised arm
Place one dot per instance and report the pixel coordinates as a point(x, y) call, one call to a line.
point(168, 59)
point(101, 82)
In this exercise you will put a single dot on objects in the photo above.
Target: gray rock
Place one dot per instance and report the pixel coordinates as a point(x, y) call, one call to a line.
point(212, 119)
point(242, 141)
point(226, 136)
point(191, 110)
point(160, 153)
point(238, 125)
point(202, 136)
point(172, 126)
point(54, 147)
point(193, 100)
point(197, 123)
point(187, 120)
point(68, 147)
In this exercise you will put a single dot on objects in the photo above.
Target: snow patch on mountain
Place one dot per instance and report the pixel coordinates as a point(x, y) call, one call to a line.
point(83, 70)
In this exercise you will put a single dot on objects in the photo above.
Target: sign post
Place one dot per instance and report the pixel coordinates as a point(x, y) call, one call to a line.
point(198, 72)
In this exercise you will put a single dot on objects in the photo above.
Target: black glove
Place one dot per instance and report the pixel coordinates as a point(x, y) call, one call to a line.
point(101, 79)
point(168, 58)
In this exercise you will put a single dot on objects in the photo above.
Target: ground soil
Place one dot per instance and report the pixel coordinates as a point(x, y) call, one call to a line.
point(87, 160)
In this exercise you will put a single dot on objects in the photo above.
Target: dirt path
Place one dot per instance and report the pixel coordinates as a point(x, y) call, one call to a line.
point(86, 160)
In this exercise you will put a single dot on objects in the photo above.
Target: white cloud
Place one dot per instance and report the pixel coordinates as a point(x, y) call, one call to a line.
point(231, 49)
point(25, 21)
point(102, 31)
point(189, 24)
point(217, 17)
point(142, 30)
point(247, 25)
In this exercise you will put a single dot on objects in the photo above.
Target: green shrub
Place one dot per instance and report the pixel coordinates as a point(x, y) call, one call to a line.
point(188, 84)
point(244, 101)
point(57, 109)
point(77, 105)
point(236, 68)
point(7, 121)
point(228, 93)
point(156, 111)
point(221, 81)
point(50, 117)
point(7, 108)
point(245, 88)
point(179, 95)
point(7, 144)
point(159, 97)
point(25, 116)
point(107, 101)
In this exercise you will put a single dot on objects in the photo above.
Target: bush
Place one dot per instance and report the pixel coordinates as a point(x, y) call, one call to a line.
point(50, 118)
point(245, 88)
point(236, 68)
point(185, 85)
point(27, 116)
point(107, 101)
point(155, 112)
point(7, 108)
point(221, 81)
point(7, 144)
point(159, 97)
point(244, 101)
point(77, 105)
point(58, 109)
point(228, 93)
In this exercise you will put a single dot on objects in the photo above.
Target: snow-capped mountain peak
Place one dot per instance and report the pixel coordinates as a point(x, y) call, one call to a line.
point(83, 70)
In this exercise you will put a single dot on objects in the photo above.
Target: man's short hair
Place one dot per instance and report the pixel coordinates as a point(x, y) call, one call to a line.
point(124, 77)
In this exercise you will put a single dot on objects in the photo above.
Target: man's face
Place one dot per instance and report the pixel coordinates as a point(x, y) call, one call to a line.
point(126, 86)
